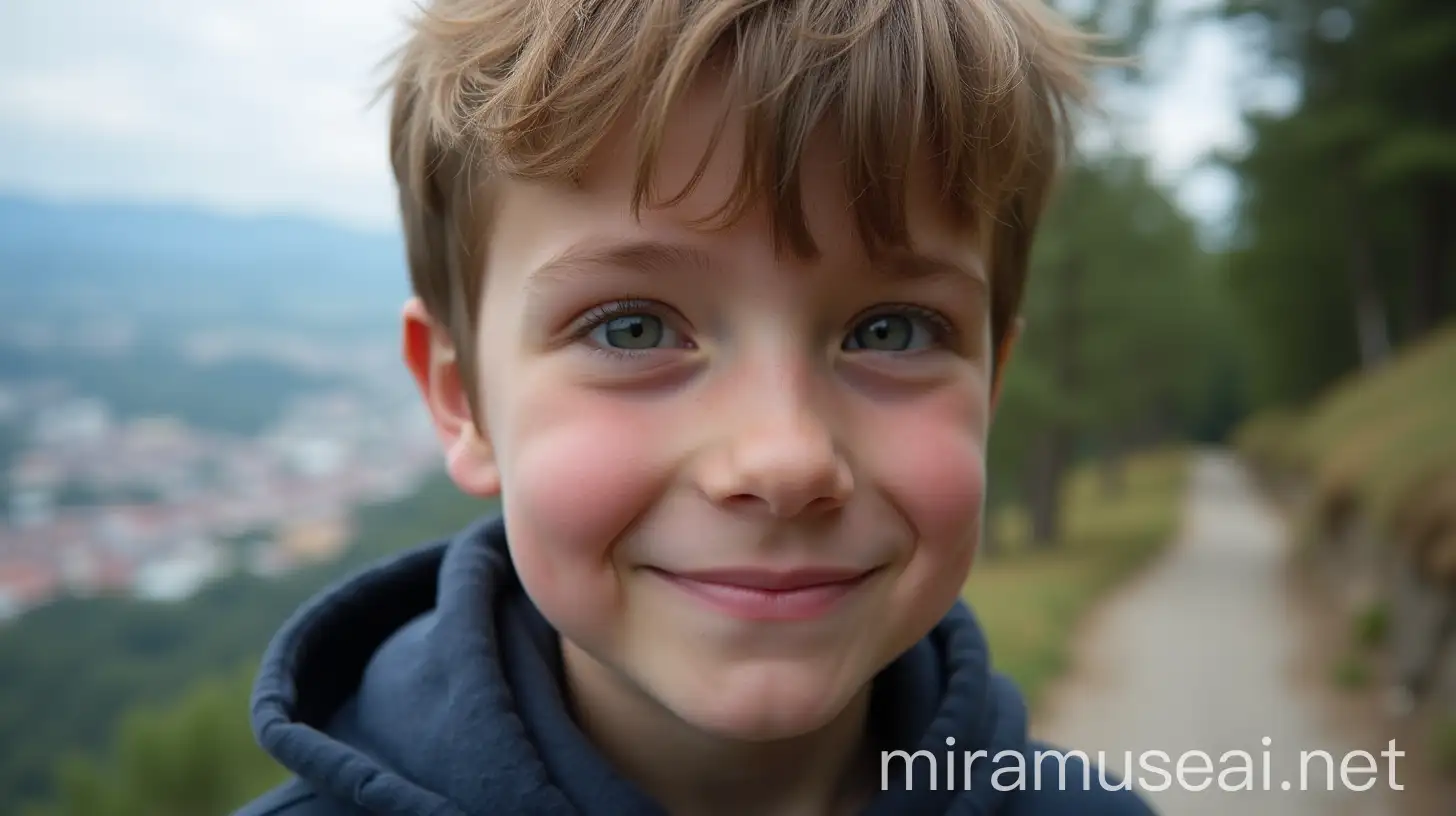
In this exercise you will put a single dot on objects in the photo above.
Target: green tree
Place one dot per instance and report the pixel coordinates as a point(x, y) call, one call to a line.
point(1122, 319)
point(1346, 248)
point(196, 757)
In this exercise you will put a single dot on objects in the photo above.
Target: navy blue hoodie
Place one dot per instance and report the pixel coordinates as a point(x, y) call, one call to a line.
point(429, 685)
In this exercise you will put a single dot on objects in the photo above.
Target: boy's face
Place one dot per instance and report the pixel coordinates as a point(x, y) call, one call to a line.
point(672, 414)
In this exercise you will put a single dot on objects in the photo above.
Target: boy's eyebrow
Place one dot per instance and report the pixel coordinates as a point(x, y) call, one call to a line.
point(908, 264)
point(644, 255)
point(649, 255)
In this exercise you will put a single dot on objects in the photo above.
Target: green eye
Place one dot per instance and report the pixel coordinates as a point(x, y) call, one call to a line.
point(889, 332)
point(884, 333)
point(632, 332)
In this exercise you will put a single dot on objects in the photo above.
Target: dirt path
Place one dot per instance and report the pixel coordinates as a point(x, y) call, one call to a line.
point(1207, 651)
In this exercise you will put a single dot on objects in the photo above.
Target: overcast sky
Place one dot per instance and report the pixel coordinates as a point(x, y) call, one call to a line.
point(263, 105)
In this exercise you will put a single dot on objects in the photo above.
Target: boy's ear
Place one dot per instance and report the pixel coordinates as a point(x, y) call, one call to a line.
point(432, 360)
point(1003, 357)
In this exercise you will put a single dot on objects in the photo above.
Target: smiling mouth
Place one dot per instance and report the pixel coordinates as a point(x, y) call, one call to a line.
point(762, 595)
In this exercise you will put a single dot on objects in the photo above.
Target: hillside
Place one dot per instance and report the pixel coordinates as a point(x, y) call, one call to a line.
point(1376, 445)
point(241, 396)
point(176, 262)
point(1369, 474)
point(74, 668)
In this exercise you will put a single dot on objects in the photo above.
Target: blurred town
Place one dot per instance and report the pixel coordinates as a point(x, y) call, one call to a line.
point(155, 508)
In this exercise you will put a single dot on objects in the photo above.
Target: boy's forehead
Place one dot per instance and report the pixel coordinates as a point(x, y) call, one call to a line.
point(695, 186)
point(550, 238)
point(550, 233)
point(560, 233)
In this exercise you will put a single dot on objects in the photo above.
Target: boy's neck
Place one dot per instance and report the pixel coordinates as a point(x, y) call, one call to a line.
point(694, 774)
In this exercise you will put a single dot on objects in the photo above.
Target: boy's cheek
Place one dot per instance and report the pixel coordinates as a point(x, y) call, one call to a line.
point(935, 476)
point(932, 466)
point(575, 486)
point(569, 494)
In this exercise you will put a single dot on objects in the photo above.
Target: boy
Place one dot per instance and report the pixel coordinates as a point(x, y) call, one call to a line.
point(716, 296)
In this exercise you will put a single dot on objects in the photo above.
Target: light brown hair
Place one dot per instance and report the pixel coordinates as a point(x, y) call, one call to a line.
point(486, 89)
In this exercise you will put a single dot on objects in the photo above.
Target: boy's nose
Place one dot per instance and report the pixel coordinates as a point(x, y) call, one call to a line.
point(782, 460)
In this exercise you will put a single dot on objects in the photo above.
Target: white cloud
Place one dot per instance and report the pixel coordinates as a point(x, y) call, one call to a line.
point(262, 104)
point(250, 104)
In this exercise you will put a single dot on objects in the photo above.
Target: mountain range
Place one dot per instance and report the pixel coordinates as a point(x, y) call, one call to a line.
point(177, 262)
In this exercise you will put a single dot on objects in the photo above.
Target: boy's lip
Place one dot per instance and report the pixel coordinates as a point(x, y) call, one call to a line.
point(757, 594)
point(772, 580)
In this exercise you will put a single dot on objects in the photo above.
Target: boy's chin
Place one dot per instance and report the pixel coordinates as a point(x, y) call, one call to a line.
point(766, 705)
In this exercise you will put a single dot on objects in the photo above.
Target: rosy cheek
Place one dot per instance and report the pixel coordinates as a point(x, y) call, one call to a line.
point(948, 484)
point(931, 462)
point(580, 470)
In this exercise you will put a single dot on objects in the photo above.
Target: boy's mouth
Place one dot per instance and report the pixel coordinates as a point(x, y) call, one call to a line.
point(765, 595)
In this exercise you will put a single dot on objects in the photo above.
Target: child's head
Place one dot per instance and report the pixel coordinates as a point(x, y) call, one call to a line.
point(715, 292)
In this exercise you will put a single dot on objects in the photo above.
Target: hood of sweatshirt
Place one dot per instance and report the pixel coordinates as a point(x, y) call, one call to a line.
point(429, 684)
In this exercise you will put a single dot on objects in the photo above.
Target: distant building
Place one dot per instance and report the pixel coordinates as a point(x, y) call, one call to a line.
point(313, 540)
point(24, 585)
point(87, 572)
point(178, 575)
point(317, 457)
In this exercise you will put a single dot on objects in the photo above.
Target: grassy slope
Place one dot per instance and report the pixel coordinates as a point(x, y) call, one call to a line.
point(1378, 439)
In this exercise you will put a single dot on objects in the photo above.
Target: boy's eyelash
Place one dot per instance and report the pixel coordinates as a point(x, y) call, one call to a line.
point(597, 315)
